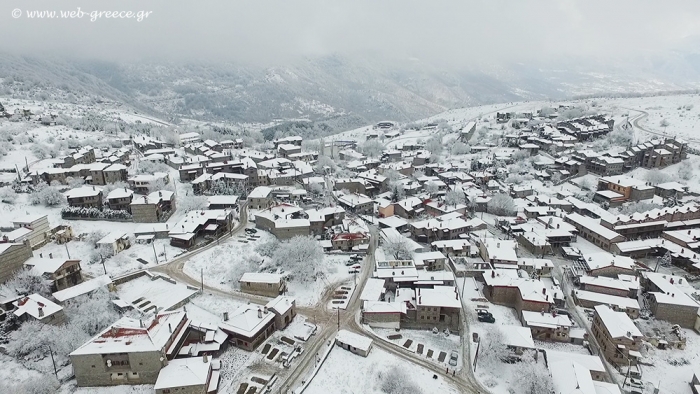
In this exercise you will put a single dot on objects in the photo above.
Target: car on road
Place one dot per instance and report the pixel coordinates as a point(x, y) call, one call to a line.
point(454, 356)
point(356, 266)
point(353, 271)
point(482, 312)
point(355, 257)
point(251, 230)
point(487, 318)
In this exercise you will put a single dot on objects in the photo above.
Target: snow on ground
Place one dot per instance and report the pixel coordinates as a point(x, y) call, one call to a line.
point(232, 258)
point(70, 388)
point(207, 307)
point(437, 342)
point(13, 373)
point(380, 372)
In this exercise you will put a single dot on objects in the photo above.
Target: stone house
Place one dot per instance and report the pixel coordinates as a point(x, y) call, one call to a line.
point(264, 284)
point(619, 339)
point(12, 258)
point(131, 351)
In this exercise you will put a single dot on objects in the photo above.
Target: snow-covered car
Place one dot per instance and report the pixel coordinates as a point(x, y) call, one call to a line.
point(454, 356)
point(487, 318)
point(251, 230)
point(353, 271)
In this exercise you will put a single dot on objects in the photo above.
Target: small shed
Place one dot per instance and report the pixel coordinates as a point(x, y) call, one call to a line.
point(358, 344)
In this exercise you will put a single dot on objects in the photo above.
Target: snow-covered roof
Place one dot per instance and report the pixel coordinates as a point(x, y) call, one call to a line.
point(260, 192)
point(393, 221)
point(120, 193)
point(570, 377)
point(184, 372)
point(610, 283)
point(154, 291)
point(245, 321)
point(42, 266)
point(373, 289)
point(546, 320)
point(517, 336)
point(600, 260)
point(83, 191)
point(439, 296)
point(280, 304)
point(17, 234)
point(618, 324)
point(355, 340)
point(593, 225)
point(112, 238)
point(261, 277)
point(31, 305)
point(129, 335)
point(222, 200)
point(28, 219)
point(82, 288)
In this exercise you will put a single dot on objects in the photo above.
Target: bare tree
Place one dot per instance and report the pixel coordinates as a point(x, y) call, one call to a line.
point(398, 247)
point(656, 177)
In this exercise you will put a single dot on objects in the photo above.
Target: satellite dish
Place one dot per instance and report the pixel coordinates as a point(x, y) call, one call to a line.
point(109, 363)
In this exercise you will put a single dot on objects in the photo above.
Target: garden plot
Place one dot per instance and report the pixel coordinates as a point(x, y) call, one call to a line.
point(380, 372)
point(434, 346)
point(341, 296)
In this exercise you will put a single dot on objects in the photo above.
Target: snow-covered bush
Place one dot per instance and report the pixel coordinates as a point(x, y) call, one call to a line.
point(656, 177)
point(434, 145)
point(25, 282)
point(638, 206)
point(93, 312)
point(46, 195)
point(532, 377)
point(398, 248)
point(454, 197)
point(685, 170)
point(396, 381)
point(301, 258)
point(501, 204)
point(492, 350)
point(8, 195)
point(267, 247)
point(94, 213)
point(150, 167)
point(460, 148)
point(371, 148)
point(43, 385)
point(93, 237)
point(191, 202)
point(432, 188)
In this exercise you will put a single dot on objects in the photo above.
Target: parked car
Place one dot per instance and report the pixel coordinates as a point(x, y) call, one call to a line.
point(353, 271)
point(355, 257)
point(357, 267)
point(482, 312)
point(453, 358)
point(349, 263)
point(251, 230)
point(487, 318)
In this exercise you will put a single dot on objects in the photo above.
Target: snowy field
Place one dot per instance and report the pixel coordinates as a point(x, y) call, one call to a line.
point(379, 373)
point(223, 265)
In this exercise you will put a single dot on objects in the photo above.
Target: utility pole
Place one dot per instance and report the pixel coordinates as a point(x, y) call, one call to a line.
point(155, 254)
point(67, 252)
point(103, 264)
point(55, 371)
point(202, 278)
point(165, 253)
point(338, 309)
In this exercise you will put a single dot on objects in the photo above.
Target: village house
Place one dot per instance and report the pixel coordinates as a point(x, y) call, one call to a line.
point(454, 247)
point(131, 351)
point(608, 264)
point(323, 218)
point(152, 208)
point(437, 307)
point(548, 326)
point(141, 184)
point(505, 287)
point(591, 230)
point(85, 197)
point(222, 202)
point(669, 299)
point(497, 251)
point(33, 228)
point(358, 204)
point(212, 223)
point(249, 326)
point(611, 286)
point(191, 375)
point(264, 284)
point(355, 343)
point(12, 258)
point(619, 339)
point(590, 299)
point(284, 221)
point(445, 227)
point(349, 241)
point(260, 198)
point(34, 307)
point(114, 242)
point(120, 199)
point(59, 273)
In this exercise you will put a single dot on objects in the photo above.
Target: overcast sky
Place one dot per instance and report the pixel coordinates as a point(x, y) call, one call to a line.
point(450, 32)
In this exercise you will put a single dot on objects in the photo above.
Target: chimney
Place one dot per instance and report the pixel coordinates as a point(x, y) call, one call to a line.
point(265, 310)
point(225, 316)
point(498, 244)
point(259, 313)
point(41, 312)
point(141, 323)
point(204, 358)
point(420, 300)
point(542, 312)
point(493, 274)
point(170, 328)
point(50, 255)
point(41, 255)
point(544, 290)
point(673, 295)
